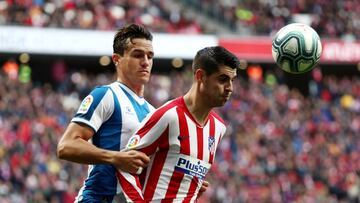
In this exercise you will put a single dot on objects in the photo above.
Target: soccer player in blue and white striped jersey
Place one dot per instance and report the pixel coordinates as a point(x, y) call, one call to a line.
point(109, 115)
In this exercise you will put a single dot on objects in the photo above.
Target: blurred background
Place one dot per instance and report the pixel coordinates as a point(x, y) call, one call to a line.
point(291, 138)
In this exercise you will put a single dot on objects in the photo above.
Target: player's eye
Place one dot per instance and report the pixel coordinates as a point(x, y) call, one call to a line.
point(150, 56)
point(138, 55)
point(223, 79)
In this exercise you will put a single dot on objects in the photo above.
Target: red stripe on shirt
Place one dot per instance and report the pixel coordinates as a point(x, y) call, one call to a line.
point(200, 142)
point(142, 177)
point(129, 189)
point(211, 134)
point(156, 117)
point(184, 136)
point(200, 149)
point(184, 139)
point(151, 149)
point(200, 154)
point(167, 200)
point(213, 113)
point(193, 186)
point(157, 166)
point(174, 186)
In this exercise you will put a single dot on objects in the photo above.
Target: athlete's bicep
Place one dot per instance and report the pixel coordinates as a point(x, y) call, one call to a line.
point(96, 108)
point(78, 130)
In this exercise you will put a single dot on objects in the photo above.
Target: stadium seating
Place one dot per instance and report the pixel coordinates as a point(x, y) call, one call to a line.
point(332, 19)
point(159, 16)
point(282, 146)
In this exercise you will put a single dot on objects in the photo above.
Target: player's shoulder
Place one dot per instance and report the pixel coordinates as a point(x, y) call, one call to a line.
point(172, 103)
point(151, 107)
point(99, 94)
point(165, 108)
point(217, 117)
point(101, 89)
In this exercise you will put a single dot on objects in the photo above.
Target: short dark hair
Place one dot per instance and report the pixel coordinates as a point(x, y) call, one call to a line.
point(131, 32)
point(210, 58)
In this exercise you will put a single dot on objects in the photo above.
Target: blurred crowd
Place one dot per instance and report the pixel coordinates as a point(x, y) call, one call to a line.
point(333, 19)
point(285, 147)
point(280, 146)
point(157, 15)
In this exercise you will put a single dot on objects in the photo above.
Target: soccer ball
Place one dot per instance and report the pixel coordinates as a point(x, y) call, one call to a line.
point(296, 48)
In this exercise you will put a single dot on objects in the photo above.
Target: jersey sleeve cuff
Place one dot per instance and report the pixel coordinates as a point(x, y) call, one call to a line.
point(86, 122)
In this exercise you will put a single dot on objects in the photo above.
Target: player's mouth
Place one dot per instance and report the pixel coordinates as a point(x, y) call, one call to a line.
point(227, 95)
point(144, 71)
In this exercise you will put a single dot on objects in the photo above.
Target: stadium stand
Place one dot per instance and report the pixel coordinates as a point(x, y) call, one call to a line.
point(282, 147)
point(158, 15)
point(332, 19)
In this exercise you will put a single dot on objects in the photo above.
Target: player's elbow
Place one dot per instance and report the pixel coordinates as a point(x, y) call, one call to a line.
point(61, 150)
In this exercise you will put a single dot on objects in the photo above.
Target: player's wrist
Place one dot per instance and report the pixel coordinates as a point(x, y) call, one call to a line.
point(112, 157)
point(118, 159)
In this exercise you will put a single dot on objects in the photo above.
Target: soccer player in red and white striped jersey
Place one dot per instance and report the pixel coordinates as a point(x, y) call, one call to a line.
point(182, 136)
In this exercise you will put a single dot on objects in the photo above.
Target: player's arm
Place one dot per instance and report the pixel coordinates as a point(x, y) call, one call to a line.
point(74, 146)
point(147, 139)
point(151, 134)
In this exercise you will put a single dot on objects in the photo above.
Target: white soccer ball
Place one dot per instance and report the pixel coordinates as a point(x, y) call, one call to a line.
point(296, 48)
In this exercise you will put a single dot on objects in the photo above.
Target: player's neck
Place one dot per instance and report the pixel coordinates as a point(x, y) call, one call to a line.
point(196, 106)
point(138, 89)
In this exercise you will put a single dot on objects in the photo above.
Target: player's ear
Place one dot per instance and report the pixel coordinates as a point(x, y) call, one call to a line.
point(199, 74)
point(115, 58)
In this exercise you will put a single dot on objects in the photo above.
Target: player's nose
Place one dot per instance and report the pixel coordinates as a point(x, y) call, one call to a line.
point(146, 61)
point(229, 86)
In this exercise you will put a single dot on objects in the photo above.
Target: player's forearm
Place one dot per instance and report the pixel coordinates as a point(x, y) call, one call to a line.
point(81, 151)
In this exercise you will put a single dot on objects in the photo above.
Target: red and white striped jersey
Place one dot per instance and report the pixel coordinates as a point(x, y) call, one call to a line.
point(181, 154)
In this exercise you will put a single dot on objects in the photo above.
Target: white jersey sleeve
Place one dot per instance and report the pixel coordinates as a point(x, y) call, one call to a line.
point(95, 108)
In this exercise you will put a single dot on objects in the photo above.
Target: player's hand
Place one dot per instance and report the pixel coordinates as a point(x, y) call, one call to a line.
point(131, 161)
point(203, 188)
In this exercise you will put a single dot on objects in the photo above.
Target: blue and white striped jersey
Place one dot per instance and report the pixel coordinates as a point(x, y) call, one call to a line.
point(114, 112)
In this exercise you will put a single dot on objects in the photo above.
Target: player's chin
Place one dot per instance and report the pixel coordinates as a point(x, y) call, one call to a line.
point(222, 101)
point(226, 98)
point(144, 78)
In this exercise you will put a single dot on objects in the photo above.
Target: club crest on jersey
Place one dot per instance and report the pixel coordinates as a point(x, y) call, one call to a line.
point(211, 142)
point(85, 104)
point(192, 166)
point(133, 141)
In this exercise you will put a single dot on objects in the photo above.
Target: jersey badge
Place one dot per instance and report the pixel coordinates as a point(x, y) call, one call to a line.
point(85, 104)
point(133, 141)
point(211, 141)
